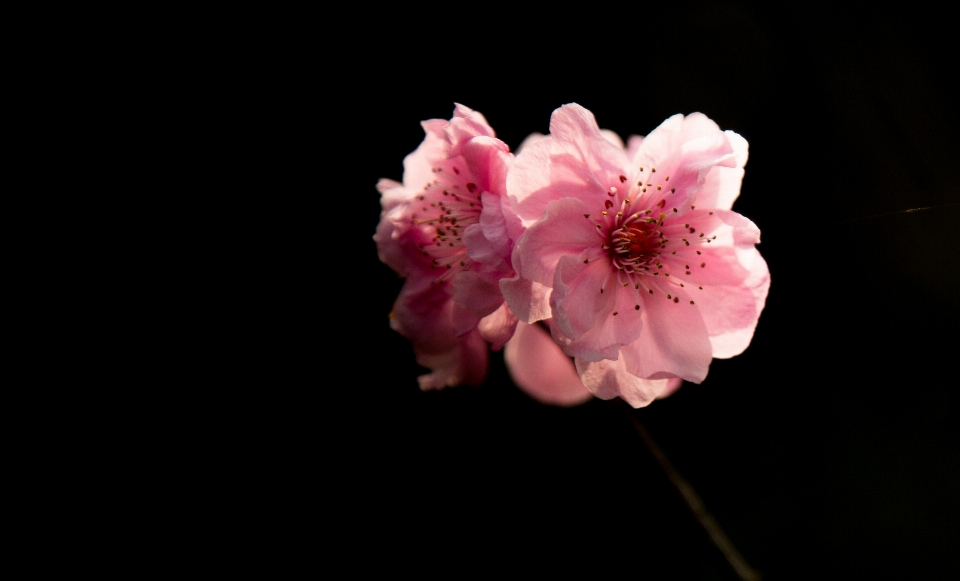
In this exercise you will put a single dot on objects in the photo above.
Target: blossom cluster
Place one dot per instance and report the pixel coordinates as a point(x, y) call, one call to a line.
point(601, 268)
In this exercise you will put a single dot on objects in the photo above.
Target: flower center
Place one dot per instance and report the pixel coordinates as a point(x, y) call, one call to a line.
point(653, 242)
point(635, 243)
point(633, 240)
point(447, 206)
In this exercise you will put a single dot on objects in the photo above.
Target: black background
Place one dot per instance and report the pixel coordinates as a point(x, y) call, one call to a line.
point(829, 449)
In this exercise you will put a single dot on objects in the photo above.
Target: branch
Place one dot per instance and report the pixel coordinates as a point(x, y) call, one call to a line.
point(694, 503)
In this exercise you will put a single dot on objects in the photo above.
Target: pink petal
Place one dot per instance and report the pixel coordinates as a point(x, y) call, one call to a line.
point(612, 137)
point(562, 231)
point(390, 251)
point(478, 294)
point(464, 362)
point(391, 193)
point(731, 312)
point(538, 367)
point(687, 150)
point(423, 313)
point(633, 145)
point(594, 324)
point(529, 140)
point(418, 164)
point(661, 143)
point(529, 300)
point(677, 132)
point(673, 384)
point(498, 327)
point(609, 379)
point(722, 184)
point(576, 161)
point(674, 341)
point(575, 126)
point(490, 159)
point(467, 123)
point(547, 171)
point(528, 177)
point(511, 222)
point(734, 277)
point(464, 320)
point(480, 248)
point(491, 240)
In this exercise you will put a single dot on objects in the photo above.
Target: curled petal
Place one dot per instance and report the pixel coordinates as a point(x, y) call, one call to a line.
point(490, 241)
point(673, 384)
point(688, 149)
point(497, 327)
point(721, 185)
point(480, 248)
point(609, 379)
point(493, 156)
point(465, 125)
point(389, 250)
point(391, 193)
point(529, 300)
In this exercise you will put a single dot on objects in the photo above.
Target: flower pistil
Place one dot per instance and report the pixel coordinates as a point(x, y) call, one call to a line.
point(651, 247)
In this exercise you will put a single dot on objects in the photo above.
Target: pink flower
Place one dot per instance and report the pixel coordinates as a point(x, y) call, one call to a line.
point(645, 271)
point(449, 230)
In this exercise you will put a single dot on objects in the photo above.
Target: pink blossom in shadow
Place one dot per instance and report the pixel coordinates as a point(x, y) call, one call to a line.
point(449, 230)
point(634, 252)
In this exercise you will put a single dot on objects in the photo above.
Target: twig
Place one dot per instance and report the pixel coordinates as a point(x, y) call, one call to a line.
point(694, 503)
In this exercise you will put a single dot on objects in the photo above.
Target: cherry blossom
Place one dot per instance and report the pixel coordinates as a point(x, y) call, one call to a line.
point(449, 230)
point(634, 253)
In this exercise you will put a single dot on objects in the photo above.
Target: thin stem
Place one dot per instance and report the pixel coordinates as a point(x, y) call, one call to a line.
point(694, 503)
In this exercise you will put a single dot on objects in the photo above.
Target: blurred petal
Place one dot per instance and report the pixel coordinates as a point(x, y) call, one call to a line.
point(539, 367)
